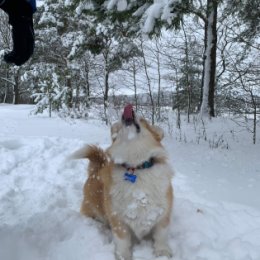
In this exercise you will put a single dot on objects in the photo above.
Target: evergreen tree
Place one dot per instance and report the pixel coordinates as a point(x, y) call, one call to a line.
point(59, 46)
point(47, 91)
point(248, 14)
point(137, 15)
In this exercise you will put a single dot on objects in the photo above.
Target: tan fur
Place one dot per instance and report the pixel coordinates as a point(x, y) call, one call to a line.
point(114, 130)
point(93, 203)
point(97, 202)
point(166, 221)
point(155, 130)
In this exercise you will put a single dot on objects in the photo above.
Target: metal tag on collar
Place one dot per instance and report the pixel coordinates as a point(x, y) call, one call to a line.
point(130, 177)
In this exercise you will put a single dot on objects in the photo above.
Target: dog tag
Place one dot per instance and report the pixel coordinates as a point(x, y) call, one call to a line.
point(130, 177)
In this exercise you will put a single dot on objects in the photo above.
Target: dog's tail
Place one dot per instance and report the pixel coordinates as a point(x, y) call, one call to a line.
point(97, 157)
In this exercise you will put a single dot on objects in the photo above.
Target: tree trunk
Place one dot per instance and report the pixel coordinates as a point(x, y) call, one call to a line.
point(87, 87)
point(77, 99)
point(159, 80)
point(50, 100)
point(150, 93)
point(209, 71)
point(254, 127)
point(189, 103)
point(255, 116)
point(187, 74)
point(106, 93)
point(69, 93)
point(135, 84)
point(6, 87)
point(106, 89)
point(16, 93)
point(178, 120)
point(204, 62)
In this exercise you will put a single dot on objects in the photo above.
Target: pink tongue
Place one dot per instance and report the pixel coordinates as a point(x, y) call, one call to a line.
point(128, 112)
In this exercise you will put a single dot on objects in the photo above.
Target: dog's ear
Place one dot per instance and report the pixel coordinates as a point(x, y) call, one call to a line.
point(115, 128)
point(156, 131)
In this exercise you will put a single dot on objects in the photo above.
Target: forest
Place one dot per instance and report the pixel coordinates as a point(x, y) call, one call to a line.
point(193, 57)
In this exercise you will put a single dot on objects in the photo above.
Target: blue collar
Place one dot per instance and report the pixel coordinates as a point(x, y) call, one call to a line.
point(130, 175)
point(144, 165)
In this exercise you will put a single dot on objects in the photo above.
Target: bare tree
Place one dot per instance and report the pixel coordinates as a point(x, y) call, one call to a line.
point(250, 81)
point(159, 88)
point(148, 80)
point(134, 66)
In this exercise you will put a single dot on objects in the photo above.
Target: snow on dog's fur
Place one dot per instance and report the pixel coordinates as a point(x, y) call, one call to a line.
point(131, 209)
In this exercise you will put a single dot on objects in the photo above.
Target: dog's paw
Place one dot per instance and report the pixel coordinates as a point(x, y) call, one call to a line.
point(125, 256)
point(163, 251)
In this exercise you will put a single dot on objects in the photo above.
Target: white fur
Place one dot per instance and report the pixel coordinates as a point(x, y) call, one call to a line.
point(123, 248)
point(141, 204)
point(134, 148)
point(161, 247)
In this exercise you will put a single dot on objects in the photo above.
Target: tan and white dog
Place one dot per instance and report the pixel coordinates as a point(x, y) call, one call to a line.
point(129, 185)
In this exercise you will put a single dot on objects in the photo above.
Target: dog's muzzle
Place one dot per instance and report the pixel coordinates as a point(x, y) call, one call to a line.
point(128, 121)
point(128, 117)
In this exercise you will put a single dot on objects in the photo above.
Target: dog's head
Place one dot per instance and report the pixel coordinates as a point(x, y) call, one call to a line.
point(136, 125)
point(134, 139)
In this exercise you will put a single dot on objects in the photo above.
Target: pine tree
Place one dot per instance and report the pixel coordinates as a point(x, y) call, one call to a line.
point(248, 14)
point(47, 92)
point(108, 37)
point(139, 15)
point(59, 46)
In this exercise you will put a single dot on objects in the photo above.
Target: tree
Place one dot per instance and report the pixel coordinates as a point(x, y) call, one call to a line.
point(148, 81)
point(141, 15)
point(248, 19)
point(150, 16)
point(209, 64)
point(245, 77)
point(47, 92)
point(114, 52)
point(5, 43)
point(60, 45)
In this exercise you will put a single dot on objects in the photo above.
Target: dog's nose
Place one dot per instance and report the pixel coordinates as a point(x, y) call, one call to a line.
point(128, 111)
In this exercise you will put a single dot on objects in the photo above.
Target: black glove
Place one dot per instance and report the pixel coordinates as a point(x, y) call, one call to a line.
point(20, 17)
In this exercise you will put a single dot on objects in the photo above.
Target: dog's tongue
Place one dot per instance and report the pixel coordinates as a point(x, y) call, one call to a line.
point(128, 112)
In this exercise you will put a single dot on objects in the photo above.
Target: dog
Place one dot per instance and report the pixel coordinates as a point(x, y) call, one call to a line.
point(129, 185)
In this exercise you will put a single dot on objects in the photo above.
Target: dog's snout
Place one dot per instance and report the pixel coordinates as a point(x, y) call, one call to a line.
point(128, 112)
point(128, 121)
point(128, 115)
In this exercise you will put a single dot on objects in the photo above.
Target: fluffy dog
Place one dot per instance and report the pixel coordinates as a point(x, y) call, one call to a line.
point(129, 185)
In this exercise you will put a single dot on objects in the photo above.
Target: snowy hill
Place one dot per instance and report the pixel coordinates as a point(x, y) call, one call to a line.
point(217, 197)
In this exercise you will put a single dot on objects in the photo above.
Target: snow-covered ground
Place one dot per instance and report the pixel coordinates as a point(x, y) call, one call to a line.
point(217, 196)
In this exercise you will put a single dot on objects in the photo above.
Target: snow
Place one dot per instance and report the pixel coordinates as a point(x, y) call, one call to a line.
point(121, 4)
point(216, 209)
point(152, 13)
point(167, 13)
point(149, 12)
point(47, 18)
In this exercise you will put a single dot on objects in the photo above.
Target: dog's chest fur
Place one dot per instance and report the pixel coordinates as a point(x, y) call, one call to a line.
point(141, 204)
